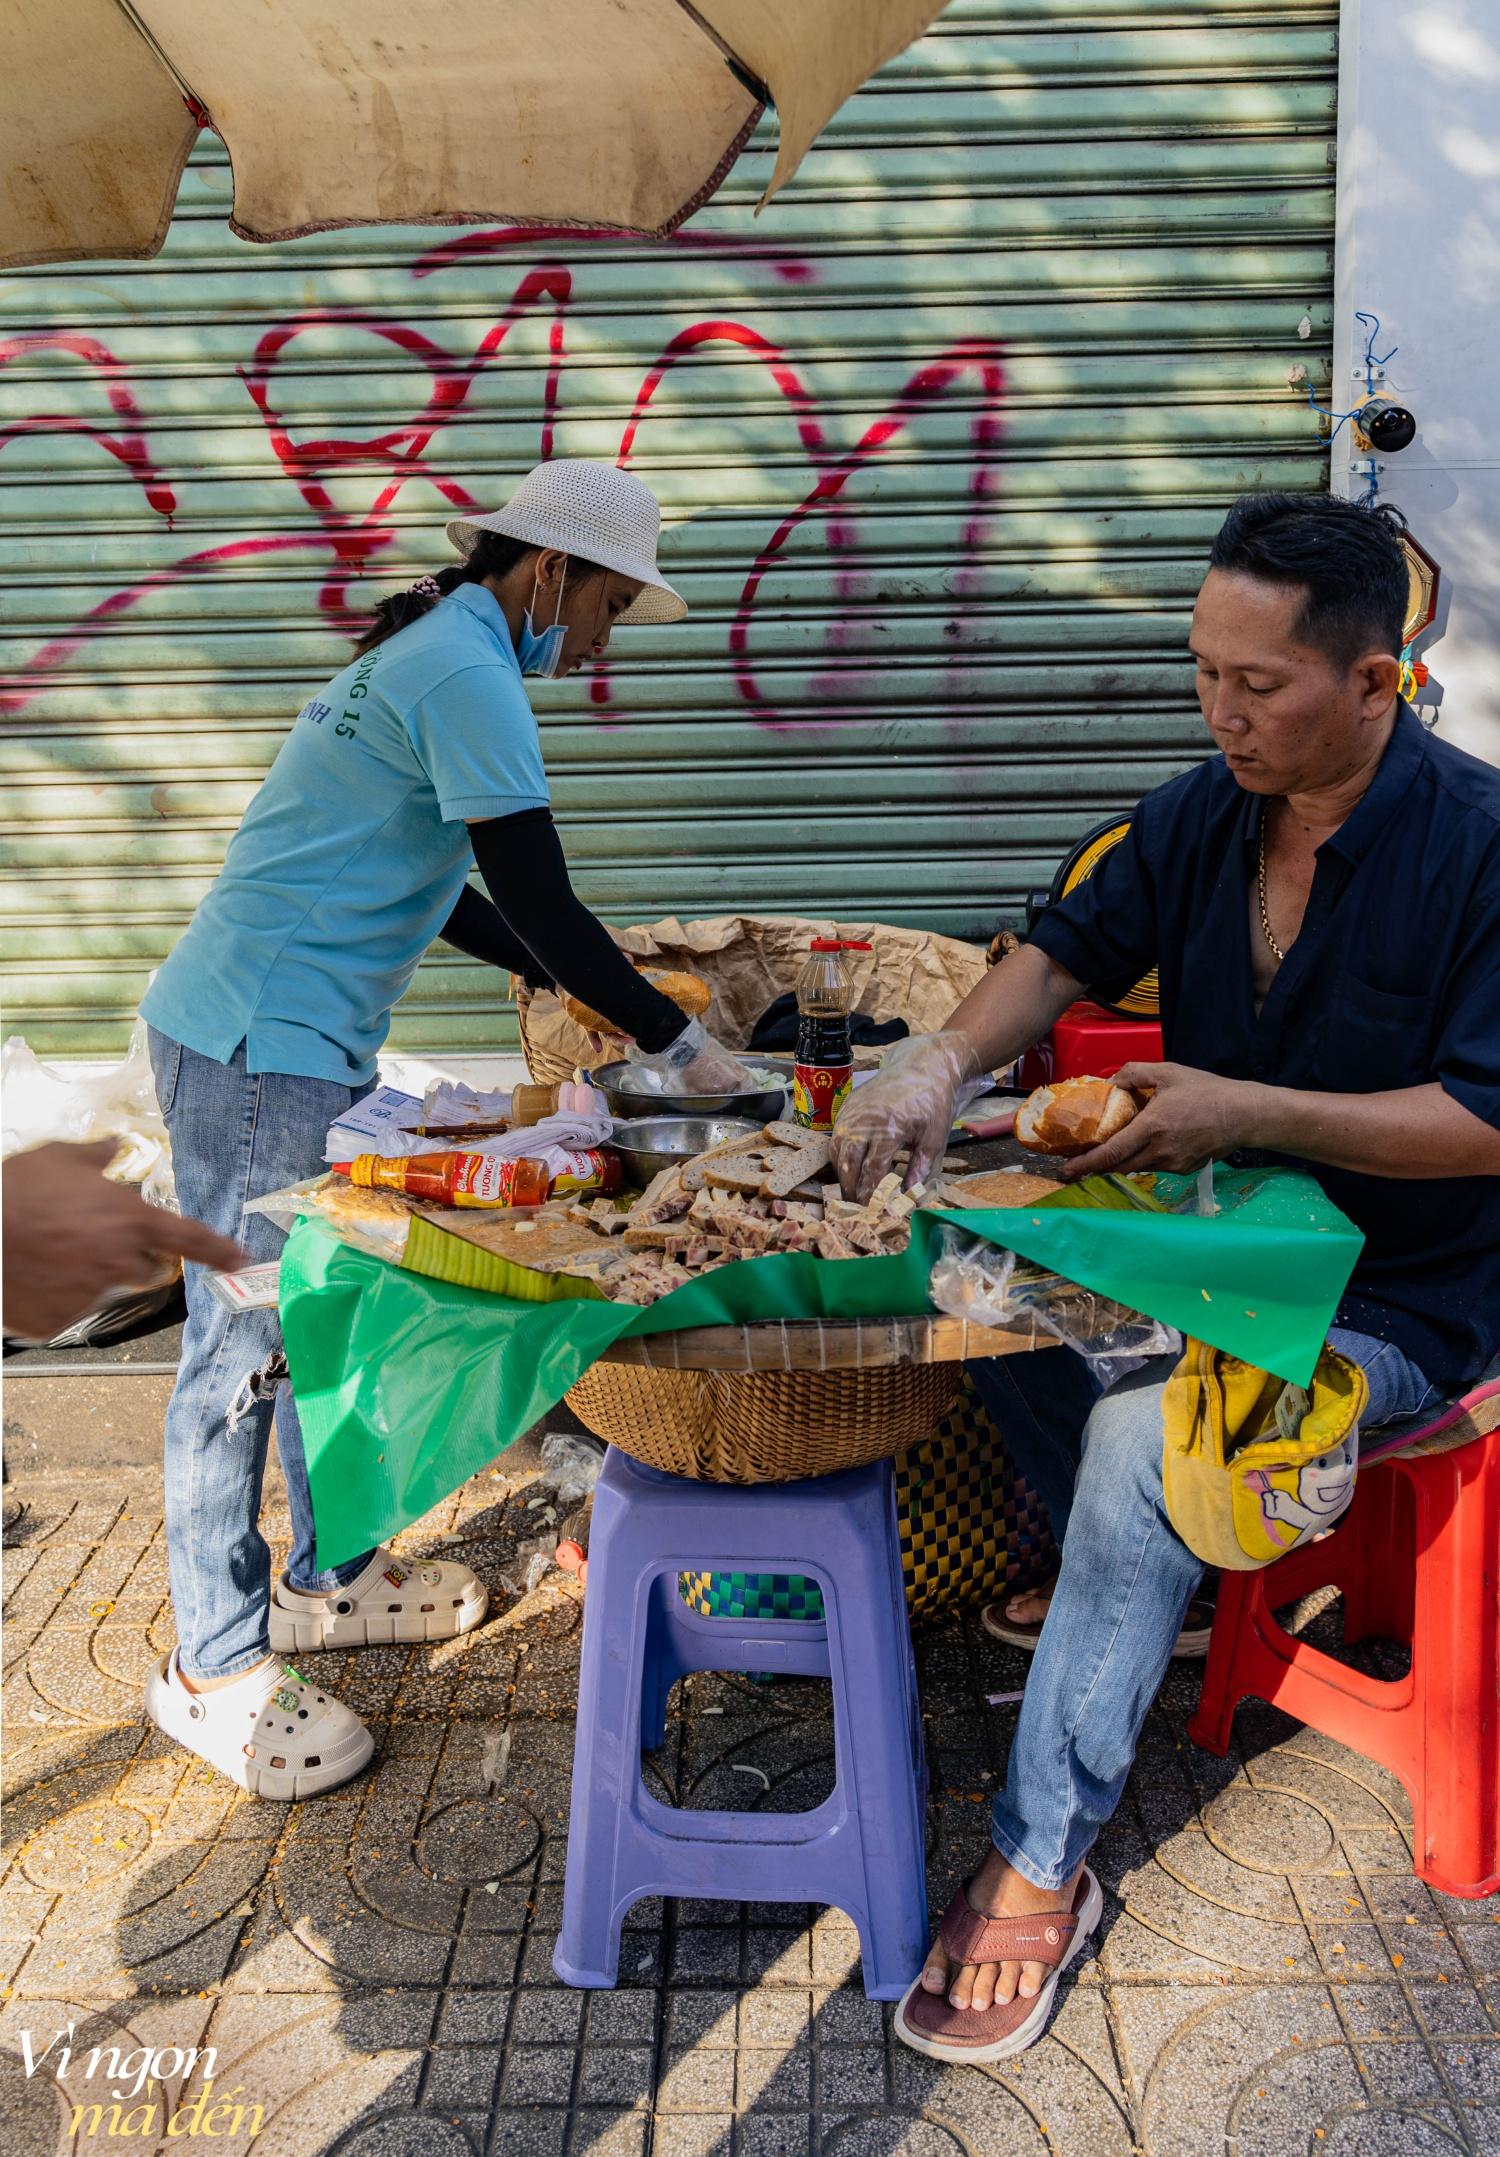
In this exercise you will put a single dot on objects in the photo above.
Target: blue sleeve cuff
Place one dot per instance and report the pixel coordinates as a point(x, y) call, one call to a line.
point(1481, 1101)
point(1062, 941)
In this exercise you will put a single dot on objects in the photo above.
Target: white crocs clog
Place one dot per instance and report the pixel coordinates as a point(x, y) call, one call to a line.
point(392, 1600)
point(272, 1732)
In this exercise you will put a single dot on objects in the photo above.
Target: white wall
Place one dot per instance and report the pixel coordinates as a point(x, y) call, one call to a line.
point(1419, 245)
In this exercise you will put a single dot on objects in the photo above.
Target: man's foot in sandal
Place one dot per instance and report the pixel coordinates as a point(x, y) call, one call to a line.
point(1018, 1619)
point(392, 1600)
point(990, 1981)
point(269, 1730)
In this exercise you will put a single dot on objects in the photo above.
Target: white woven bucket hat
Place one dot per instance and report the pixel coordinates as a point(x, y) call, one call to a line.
point(594, 511)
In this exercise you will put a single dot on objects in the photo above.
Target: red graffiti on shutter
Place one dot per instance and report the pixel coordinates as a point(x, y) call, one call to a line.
point(130, 449)
point(352, 539)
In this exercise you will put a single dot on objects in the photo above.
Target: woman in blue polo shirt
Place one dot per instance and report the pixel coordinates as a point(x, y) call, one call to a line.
point(418, 761)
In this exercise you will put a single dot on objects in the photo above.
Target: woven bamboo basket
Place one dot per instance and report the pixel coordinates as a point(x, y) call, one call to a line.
point(765, 1427)
point(545, 1067)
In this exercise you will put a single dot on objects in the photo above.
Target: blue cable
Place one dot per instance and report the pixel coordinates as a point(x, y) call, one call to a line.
point(1371, 362)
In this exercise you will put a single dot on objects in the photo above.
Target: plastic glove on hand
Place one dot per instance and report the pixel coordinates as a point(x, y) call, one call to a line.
point(694, 1064)
point(911, 1102)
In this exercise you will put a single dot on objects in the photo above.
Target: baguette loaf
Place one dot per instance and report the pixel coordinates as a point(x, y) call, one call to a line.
point(1074, 1116)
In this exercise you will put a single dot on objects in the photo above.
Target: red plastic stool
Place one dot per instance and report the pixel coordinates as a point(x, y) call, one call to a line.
point(1417, 1557)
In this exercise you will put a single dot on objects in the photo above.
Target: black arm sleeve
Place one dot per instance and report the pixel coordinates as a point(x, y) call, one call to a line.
point(477, 927)
point(521, 861)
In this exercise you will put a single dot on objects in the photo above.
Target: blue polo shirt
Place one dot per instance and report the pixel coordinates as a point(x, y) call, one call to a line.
point(352, 855)
point(1393, 981)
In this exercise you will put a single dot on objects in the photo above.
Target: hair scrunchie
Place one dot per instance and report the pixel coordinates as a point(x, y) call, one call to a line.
point(426, 588)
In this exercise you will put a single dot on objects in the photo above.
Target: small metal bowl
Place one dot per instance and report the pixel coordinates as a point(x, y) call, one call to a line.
point(653, 1143)
point(768, 1107)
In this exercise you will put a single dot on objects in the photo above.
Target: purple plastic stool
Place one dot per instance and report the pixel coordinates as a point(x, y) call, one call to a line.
point(862, 1848)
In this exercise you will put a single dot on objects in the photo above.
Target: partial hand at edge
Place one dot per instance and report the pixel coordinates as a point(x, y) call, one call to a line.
point(70, 1236)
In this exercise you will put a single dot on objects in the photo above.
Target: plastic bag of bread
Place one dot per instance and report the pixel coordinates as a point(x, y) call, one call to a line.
point(374, 1221)
point(994, 1287)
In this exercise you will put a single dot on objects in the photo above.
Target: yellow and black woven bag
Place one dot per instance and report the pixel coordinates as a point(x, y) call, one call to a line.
point(970, 1529)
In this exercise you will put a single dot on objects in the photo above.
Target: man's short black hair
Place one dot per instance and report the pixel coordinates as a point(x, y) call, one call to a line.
point(1348, 560)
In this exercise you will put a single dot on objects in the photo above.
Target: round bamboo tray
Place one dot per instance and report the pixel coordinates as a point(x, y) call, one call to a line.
point(773, 1403)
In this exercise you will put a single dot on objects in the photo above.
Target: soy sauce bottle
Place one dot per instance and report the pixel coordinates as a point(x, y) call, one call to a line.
point(825, 1053)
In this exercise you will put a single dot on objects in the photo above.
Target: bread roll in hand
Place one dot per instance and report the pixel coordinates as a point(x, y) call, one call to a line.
point(1075, 1115)
point(690, 992)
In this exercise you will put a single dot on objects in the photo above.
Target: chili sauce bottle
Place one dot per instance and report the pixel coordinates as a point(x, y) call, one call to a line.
point(479, 1179)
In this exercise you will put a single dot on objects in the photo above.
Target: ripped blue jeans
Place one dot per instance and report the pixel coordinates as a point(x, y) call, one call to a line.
point(1124, 1587)
point(235, 1136)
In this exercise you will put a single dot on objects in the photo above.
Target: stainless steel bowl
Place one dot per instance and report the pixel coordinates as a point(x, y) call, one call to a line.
point(652, 1143)
point(767, 1107)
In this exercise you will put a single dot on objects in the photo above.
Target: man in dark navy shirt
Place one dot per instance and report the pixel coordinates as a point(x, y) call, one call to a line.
point(1322, 899)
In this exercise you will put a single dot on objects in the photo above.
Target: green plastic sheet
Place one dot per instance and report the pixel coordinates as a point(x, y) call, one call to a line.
point(407, 1385)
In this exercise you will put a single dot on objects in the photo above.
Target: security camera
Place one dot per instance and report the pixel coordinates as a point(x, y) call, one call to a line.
point(1382, 424)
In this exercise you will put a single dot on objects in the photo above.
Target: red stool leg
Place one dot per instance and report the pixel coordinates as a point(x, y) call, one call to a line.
point(1239, 1614)
point(1249, 1653)
point(1378, 1574)
point(1456, 1667)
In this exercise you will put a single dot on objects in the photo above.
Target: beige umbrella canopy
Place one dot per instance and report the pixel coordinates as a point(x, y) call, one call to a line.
point(616, 114)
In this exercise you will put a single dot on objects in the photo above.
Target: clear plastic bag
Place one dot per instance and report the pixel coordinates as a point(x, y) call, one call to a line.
point(989, 1286)
point(571, 1466)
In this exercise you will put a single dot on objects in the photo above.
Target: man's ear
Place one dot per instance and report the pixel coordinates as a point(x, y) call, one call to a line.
point(1379, 676)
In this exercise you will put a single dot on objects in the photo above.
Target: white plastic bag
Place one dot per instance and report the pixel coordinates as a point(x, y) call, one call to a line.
point(39, 1103)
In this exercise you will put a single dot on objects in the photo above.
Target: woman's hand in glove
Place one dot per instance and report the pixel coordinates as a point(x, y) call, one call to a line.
point(911, 1102)
point(694, 1063)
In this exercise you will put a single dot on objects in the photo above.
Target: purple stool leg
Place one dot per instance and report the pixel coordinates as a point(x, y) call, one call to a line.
point(862, 1848)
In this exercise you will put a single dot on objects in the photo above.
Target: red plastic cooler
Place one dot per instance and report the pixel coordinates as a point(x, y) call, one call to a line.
point(1090, 1042)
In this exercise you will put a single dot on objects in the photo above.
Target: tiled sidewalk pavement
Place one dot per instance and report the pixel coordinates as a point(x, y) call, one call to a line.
point(373, 1967)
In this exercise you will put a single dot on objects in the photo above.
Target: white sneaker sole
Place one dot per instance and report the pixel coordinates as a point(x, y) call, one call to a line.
point(296, 1632)
point(1025, 2033)
point(168, 1707)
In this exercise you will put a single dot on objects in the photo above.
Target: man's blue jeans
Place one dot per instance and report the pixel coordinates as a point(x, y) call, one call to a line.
point(234, 1137)
point(1124, 1588)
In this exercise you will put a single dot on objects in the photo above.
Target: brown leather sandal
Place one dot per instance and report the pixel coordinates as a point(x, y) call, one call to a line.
point(1191, 1644)
point(930, 2023)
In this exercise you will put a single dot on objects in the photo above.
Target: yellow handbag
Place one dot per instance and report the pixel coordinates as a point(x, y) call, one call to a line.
point(1251, 1466)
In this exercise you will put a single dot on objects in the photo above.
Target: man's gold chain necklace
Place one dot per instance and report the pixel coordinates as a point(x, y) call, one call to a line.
point(1265, 917)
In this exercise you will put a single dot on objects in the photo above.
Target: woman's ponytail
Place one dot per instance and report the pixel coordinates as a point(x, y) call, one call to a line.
point(493, 555)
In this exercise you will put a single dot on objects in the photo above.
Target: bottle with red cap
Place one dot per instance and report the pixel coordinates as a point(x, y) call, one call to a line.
point(825, 1052)
point(480, 1179)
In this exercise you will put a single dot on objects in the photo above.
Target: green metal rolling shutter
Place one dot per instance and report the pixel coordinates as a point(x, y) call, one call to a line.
point(942, 438)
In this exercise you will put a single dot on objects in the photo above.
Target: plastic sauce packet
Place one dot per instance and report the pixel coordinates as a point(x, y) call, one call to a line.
point(253, 1288)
